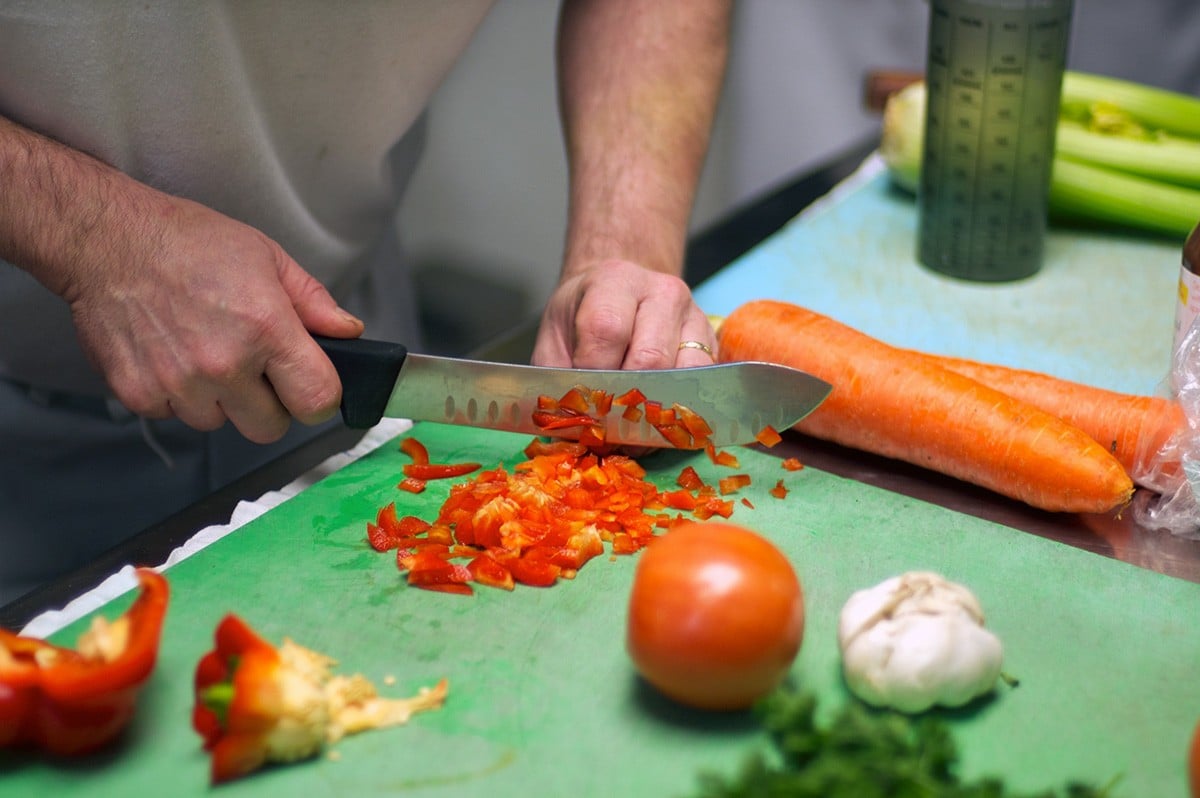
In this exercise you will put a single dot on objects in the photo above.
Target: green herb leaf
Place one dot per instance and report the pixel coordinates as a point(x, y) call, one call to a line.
point(862, 753)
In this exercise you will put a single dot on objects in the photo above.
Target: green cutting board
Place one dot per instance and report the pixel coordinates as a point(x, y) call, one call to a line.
point(543, 700)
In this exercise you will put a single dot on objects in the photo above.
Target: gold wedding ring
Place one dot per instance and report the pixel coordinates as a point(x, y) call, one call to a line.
point(703, 347)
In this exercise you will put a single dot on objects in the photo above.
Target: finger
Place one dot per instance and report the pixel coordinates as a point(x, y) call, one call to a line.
point(550, 348)
point(204, 415)
point(256, 411)
point(605, 327)
point(304, 380)
point(316, 307)
point(662, 323)
point(695, 334)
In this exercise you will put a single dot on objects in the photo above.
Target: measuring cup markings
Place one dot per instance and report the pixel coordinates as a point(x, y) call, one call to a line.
point(990, 82)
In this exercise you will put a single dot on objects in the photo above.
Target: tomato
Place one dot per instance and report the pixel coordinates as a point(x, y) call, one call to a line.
point(1194, 763)
point(716, 615)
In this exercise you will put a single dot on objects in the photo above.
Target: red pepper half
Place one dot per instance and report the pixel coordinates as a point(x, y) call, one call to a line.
point(74, 701)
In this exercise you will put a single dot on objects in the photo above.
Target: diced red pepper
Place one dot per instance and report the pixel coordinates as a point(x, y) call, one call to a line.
point(653, 412)
point(747, 502)
point(552, 421)
point(689, 478)
point(602, 402)
point(75, 701)
point(694, 423)
point(558, 508)
point(675, 434)
point(411, 485)
point(792, 464)
point(429, 569)
point(679, 500)
point(779, 491)
point(574, 399)
point(721, 458)
point(533, 572)
point(593, 437)
point(487, 571)
point(733, 484)
point(768, 436)
point(541, 448)
point(630, 398)
point(713, 506)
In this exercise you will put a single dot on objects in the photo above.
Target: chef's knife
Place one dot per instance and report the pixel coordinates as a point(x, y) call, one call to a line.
point(736, 400)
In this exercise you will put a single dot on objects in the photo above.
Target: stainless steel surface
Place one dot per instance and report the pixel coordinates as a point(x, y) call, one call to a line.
point(736, 400)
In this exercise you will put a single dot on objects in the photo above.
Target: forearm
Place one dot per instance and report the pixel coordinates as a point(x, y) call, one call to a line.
point(639, 84)
point(62, 210)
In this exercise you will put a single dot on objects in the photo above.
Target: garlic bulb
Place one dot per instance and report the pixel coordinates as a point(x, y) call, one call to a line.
point(917, 640)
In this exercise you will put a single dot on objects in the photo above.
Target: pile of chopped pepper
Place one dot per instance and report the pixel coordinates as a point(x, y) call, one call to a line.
point(75, 701)
point(558, 508)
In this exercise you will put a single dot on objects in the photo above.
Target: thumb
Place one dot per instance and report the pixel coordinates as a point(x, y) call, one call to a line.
point(315, 306)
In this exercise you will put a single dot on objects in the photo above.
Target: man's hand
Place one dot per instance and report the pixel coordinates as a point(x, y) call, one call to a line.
point(186, 312)
point(616, 314)
point(211, 324)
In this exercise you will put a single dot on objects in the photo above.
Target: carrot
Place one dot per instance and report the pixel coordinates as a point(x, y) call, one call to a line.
point(1136, 429)
point(902, 405)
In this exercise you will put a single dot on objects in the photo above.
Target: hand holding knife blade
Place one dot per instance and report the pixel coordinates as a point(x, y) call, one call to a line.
point(737, 400)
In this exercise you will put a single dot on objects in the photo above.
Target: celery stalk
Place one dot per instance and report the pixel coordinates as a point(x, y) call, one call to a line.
point(1096, 176)
point(1081, 191)
point(1168, 158)
point(1157, 108)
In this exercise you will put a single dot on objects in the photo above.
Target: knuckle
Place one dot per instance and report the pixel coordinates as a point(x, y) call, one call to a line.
point(648, 357)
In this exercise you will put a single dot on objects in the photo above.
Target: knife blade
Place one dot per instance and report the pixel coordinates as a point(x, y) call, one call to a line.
point(736, 400)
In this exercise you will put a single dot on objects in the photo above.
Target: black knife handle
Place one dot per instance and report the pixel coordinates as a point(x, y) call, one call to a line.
point(368, 371)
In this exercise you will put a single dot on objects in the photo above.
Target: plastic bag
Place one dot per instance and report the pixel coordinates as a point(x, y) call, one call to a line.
point(1173, 472)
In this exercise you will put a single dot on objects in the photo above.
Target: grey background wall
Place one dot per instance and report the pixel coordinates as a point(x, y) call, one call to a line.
point(484, 217)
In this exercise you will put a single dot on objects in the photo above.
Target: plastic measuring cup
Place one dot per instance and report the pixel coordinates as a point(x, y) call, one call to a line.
point(994, 78)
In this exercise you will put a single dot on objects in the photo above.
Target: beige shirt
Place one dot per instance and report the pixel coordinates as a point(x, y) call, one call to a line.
point(289, 115)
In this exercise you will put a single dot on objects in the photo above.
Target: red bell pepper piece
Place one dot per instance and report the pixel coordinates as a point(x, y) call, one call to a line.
point(727, 459)
point(551, 421)
point(768, 436)
point(539, 448)
point(427, 471)
point(689, 478)
point(630, 398)
point(575, 400)
point(487, 571)
point(411, 485)
point(74, 701)
point(415, 449)
point(733, 484)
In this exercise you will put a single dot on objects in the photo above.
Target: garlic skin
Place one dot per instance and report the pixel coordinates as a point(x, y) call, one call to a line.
point(917, 640)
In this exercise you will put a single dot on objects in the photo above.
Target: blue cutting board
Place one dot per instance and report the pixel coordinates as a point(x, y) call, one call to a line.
point(1101, 311)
